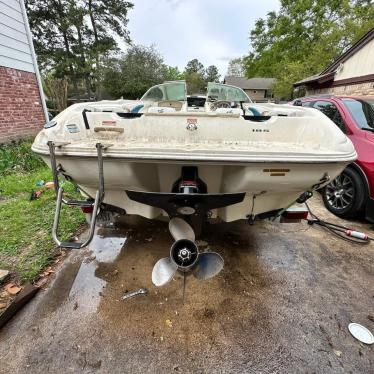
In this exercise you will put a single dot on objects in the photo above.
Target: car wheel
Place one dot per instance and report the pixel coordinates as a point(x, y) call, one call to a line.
point(345, 195)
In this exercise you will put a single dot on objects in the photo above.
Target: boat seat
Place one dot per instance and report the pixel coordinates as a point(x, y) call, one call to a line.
point(154, 109)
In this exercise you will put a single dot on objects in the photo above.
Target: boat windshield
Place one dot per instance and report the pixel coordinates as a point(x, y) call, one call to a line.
point(223, 92)
point(168, 91)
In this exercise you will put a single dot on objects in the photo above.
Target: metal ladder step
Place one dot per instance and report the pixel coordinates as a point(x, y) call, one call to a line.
point(96, 203)
point(80, 203)
point(56, 221)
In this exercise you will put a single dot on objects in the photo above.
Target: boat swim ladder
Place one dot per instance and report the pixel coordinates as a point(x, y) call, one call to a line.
point(95, 204)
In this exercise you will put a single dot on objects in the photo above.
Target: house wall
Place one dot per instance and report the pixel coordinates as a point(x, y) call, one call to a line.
point(21, 111)
point(359, 64)
point(366, 88)
point(255, 94)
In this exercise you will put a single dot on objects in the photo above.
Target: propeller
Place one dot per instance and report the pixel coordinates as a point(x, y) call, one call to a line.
point(185, 256)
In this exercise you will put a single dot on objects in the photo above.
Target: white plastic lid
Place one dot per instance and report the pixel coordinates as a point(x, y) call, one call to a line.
point(361, 333)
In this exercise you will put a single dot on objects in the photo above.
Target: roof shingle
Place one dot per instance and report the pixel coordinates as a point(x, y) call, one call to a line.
point(250, 84)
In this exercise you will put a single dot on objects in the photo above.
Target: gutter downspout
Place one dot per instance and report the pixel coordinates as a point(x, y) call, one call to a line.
point(34, 61)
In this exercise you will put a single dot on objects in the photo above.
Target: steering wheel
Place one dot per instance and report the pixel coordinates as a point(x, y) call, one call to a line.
point(220, 104)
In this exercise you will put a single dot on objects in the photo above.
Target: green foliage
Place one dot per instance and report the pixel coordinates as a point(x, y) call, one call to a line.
point(195, 83)
point(26, 244)
point(236, 67)
point(172, 73)
point(211, 74)
point(17, 157)
point(71, 37)
point(304, 37)
point(135, 72)
point(197, 76)
point(194, 66)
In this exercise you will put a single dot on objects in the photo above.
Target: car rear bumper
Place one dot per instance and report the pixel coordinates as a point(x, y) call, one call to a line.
point(369, 210)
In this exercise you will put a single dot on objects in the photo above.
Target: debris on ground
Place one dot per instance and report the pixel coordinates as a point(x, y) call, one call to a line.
point(3, 275)
point(169, 323)
point(45, 186)
point(361, 333)
point(129, 295)
point(35, 194)
point(338, 353)
point(12, 289)
point(3, 305)
point(23, 297)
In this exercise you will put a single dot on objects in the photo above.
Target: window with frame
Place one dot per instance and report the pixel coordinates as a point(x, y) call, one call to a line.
point(331, 111)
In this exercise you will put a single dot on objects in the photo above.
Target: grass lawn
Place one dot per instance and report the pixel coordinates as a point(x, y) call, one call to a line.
point(26, 244)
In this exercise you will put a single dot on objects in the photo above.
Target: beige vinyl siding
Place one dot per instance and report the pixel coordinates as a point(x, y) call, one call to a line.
point(359, 64)
point(15, 50)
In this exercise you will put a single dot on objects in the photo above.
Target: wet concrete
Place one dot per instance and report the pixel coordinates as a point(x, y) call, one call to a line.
point(282, 304)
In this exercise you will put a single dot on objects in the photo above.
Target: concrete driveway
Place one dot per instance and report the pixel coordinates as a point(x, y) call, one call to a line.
point(282, 304)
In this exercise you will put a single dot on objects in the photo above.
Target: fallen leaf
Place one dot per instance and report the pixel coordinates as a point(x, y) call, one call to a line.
point(8, 285)
point(13, 290)
point(338, 353)
point(41, 282)
point(169, 323)
point(3, 305)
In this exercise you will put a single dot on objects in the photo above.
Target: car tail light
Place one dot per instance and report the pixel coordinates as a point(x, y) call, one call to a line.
point(294, 214)
point(87, 209)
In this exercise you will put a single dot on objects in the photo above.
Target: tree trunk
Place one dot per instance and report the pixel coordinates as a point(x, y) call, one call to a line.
point(97, 58)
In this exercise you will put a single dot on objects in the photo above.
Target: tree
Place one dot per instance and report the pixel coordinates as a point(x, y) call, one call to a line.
point(236, 68)
point(304, 37)
point(172, 73)
point(56, 90)
point(194, 75)
point(195, 66)
point(195, 83)
point(135, 72)
point(211, 74)
point(72, 36)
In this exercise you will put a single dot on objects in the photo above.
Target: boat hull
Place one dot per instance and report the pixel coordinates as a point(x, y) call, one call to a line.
point(267, 186)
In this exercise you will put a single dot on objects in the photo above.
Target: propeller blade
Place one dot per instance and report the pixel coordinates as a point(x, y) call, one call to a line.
point(209, 264)
point(180, 229)
point(163, 271)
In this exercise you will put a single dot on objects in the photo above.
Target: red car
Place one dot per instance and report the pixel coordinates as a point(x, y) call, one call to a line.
point(351, 194)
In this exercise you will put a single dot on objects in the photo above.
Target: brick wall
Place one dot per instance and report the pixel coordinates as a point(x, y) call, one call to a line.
point(366, 88)
point(21, 112)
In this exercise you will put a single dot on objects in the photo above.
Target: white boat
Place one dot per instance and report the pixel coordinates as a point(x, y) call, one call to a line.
point(220, 156)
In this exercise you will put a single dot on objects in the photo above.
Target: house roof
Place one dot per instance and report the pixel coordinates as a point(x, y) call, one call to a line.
point(250, 84)
point(329, 73)
point(318, 78)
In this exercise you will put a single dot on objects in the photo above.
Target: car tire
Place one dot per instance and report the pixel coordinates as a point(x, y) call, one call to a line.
point(345, 196)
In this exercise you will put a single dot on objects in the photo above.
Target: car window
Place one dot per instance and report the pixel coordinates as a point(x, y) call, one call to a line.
point(307, 103)
point(362, 111)
point(331, 111)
